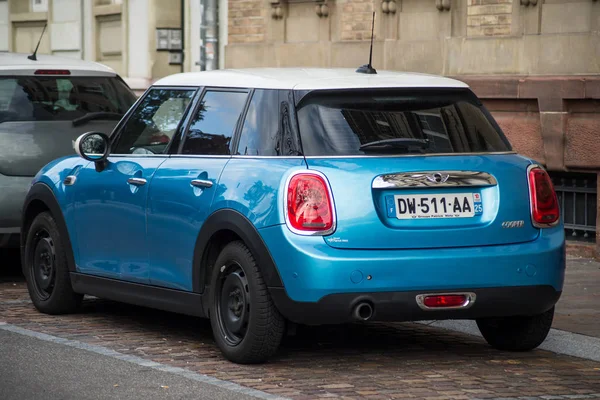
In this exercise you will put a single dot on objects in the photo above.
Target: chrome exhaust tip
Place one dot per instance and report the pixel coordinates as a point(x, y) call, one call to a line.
point(363, 311)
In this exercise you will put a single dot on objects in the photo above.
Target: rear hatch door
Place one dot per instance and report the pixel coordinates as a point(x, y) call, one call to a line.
point(415, 169)
point(428, 202)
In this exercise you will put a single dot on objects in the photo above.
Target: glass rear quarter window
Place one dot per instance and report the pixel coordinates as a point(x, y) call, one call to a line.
point(260, 130)
point(214, 123)
point(396, 122)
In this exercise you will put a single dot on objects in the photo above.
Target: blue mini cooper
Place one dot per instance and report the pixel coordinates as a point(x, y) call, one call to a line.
point(264, 198)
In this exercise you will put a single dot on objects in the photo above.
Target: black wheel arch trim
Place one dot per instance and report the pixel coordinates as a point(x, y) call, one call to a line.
point(42, 192)
point(232, 220)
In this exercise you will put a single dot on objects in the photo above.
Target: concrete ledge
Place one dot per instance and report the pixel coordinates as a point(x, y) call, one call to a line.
point(110, 9)
point(29, 17)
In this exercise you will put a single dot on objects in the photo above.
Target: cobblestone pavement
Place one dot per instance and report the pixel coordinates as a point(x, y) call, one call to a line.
point(377, 361)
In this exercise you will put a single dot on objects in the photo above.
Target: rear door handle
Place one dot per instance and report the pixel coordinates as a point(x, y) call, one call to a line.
point(201, 183)
point(136, 181)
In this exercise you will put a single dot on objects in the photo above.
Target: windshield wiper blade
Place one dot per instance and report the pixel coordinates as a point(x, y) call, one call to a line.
point(113, 116)
point(398, 143)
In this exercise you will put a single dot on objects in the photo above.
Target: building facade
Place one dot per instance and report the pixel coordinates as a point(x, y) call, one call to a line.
point(143, 40)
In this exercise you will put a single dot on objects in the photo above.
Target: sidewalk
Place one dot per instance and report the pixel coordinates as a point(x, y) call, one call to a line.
point(578, 309)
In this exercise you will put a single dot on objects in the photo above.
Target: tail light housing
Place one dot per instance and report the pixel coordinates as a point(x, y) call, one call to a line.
point(309, 204)
point(544, 202)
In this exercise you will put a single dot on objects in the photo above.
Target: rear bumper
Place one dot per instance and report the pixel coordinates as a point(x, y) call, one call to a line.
point(402, 306)
point(318, 280)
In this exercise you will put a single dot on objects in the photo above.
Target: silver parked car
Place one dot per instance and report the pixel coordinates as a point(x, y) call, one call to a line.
point(45, 104)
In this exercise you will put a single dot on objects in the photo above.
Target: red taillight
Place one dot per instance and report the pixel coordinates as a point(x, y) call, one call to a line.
point(309, 203)
point(52, 72)
point(544, 203)
point(447, 300)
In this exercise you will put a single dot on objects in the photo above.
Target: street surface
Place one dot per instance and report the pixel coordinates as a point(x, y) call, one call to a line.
point(153, 354)
point(52, 371)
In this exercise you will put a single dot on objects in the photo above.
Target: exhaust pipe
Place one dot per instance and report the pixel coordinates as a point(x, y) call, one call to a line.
point(363, 311)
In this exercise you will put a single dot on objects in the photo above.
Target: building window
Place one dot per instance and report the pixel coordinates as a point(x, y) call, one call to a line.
point(39, 5)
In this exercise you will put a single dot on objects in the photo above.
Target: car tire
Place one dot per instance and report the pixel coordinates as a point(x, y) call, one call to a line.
point(246, 325)
point(46, 270)
point(516, 333)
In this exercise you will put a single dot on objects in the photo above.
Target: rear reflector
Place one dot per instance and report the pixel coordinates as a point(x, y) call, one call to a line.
point(544, 203)
point(309, 204)
point(52, 72)
point(445, 300)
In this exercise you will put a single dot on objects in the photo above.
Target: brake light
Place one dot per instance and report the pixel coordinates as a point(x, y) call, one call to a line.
point(52, 72)
point(544, 203)
point(309, 204)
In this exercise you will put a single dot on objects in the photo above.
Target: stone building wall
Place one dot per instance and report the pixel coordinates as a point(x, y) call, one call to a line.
point(246, 21)
point(356, 20)
point(489, 17)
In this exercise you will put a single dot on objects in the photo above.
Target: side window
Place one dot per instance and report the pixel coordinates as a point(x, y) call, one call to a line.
point(260, 132)
point(154, 122)
point(213, 126)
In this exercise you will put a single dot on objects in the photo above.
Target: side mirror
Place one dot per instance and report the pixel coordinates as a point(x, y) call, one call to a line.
point(93, 146)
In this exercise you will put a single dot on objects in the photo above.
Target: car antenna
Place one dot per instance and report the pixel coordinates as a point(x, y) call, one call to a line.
point(368, 68)
point(34, 55)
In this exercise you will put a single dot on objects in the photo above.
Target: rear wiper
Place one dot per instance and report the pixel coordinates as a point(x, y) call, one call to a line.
point(113, 116)
point(396, 143)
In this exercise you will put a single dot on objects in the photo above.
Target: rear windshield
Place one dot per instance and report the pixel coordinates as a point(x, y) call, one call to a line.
point(346, 123)
point(32, 98)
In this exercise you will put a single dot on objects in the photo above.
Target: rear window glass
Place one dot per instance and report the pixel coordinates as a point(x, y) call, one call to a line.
point(32, 98)
point(345, 123)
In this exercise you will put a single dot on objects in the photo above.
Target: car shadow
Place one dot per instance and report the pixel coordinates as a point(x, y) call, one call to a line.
point(10, 266)
point(406, 340)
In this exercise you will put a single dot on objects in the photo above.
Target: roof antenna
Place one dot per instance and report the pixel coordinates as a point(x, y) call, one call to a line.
point(367, 68)
point(34, 55)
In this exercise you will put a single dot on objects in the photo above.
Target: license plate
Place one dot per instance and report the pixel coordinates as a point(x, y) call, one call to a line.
point(422, 206)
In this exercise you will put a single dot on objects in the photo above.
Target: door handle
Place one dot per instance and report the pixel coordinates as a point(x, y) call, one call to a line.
point(136, 181)
point(201, 183)
point(70, 180)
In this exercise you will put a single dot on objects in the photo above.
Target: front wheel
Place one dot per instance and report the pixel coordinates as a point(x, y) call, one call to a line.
point(516, 333)
point(46, 270)
point(246, 325)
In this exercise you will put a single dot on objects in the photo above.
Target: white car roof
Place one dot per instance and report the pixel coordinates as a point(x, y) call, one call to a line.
point(19, 64)
point(307, 79)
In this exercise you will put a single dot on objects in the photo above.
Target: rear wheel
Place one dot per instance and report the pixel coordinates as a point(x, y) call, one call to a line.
point(246, 325)
point(45, 268)
point(516, 333)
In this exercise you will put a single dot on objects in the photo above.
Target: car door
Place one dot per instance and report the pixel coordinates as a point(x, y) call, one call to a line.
point(110, 205)
point(185, 185)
